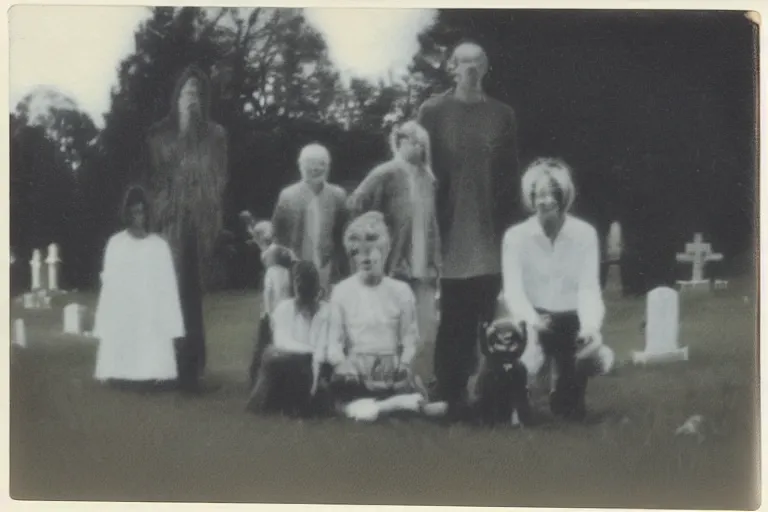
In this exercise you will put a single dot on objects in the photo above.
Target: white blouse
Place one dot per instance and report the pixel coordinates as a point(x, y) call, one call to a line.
point(295, 333)
point(558, 276)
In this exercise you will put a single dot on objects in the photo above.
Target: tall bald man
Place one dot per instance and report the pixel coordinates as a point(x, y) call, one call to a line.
point(310, 216)
point(475, 161)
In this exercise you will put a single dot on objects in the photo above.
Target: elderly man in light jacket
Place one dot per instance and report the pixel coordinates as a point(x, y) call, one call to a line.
point(311, 214)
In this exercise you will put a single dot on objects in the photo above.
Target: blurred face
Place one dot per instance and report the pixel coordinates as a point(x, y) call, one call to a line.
point(138, 217)
point(546, 201)
point(410, 150)
point(264, 238)
point(470, 65)
point(189, 97)
point(314, 167)
point(370, 258)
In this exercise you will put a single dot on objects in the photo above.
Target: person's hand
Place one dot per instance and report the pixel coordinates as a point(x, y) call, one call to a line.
point(587, 343)
point(587, 337)
point(541, 323)
point(403, 372)
point(313, 390)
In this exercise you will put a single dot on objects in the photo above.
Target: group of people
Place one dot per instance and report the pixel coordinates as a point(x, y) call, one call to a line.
point(351, 284)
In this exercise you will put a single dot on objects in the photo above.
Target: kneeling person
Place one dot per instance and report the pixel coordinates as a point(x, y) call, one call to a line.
point(379, 332)
point(551, 282)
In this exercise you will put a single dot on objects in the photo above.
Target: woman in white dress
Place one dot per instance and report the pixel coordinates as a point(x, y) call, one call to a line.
point(138, 314)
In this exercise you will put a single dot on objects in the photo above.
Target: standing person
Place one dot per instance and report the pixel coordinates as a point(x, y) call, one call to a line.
point(138, 313)
point(310, 215)
point(188, 154)
point(552, 283)
point(403, 190)
point(475, 160)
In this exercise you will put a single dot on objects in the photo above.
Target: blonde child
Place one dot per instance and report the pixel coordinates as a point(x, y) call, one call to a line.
point(277, 261)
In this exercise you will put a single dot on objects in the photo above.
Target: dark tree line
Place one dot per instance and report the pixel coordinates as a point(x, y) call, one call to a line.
point(656, 112)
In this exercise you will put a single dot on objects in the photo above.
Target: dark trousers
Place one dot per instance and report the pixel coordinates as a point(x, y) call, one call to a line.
point(261, 342)
point(283, 384)
point(190, 350)
point(560, 346)
point(464, 304)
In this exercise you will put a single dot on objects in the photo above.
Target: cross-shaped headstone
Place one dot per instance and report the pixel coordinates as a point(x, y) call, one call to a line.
point(698, 254)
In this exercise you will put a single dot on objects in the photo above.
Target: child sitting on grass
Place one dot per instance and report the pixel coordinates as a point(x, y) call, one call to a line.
point(290, 368)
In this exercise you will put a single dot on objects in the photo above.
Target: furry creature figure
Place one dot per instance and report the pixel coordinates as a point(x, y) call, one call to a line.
point(500, 392)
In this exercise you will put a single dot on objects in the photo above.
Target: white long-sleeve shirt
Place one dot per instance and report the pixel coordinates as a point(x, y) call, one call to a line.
point(558, 276)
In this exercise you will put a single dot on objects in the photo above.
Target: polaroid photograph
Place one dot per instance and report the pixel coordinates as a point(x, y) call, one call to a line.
point(391, 255)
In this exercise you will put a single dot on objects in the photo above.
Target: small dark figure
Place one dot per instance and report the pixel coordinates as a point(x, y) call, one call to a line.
point(501, 387)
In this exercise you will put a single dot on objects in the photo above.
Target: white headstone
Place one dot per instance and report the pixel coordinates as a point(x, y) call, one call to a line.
point(36, 263)
point(53, 267)
point(19, 333)
point(614, 245)
point(662, 328)
point(698, 254)
point(73, 319)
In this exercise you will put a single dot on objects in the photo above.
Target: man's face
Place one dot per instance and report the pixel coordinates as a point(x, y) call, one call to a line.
point(189, 97)
point(314, 167)
point(470, 65)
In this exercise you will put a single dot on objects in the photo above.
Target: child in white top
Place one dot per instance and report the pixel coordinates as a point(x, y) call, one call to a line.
point(290, 368)
point(277, 261)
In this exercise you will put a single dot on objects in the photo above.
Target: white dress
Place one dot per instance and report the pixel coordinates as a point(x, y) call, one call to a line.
point(138, 313)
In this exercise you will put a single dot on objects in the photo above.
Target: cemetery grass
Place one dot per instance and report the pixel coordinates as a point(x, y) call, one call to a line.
point(72, 439)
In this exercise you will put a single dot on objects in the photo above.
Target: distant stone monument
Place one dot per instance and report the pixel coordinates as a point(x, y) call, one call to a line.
point(698, 254)
point(36, 266)
point(662, 329)
point(53, 262)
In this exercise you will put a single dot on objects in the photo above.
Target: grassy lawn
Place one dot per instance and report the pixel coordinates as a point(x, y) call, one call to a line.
point(72, 439)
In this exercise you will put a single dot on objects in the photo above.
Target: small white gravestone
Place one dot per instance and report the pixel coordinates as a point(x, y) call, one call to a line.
point(73, 319)
point(19, 333)
point(53, 262)
point(698, 254)
point(662, 328)
point(30, 300)
point(36, 263)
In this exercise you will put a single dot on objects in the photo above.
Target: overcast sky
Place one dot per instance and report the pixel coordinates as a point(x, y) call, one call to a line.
point(77, 49)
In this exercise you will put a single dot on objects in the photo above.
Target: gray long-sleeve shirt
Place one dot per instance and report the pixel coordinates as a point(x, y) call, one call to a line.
point(475, 160)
